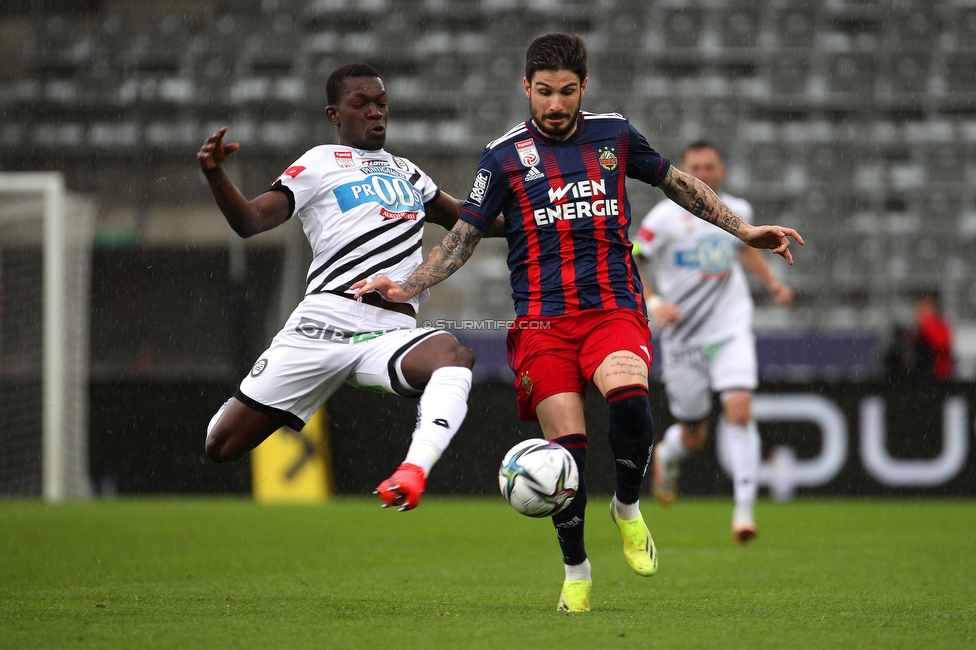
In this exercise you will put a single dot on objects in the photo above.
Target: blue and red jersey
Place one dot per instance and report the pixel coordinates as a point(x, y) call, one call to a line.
point(566, 213)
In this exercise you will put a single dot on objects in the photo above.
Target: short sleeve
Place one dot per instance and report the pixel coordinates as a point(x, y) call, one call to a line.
point(644, 163)
point(651, 234)
point(302, 182)
point(488, 194)
point(423, 182)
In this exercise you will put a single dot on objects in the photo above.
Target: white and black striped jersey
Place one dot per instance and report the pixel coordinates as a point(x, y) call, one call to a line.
point(363, 213)
point(696, 266)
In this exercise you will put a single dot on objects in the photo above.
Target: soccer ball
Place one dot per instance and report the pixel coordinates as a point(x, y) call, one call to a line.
point(538, 478)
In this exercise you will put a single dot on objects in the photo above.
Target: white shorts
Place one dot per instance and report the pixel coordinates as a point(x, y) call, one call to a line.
point(692, 372)
point(328, 341)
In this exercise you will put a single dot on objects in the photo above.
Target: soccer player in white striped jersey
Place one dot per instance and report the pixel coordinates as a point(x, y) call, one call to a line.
point(704, 308)
point(363, 211)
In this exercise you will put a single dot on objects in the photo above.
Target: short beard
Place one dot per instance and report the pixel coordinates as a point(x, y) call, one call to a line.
point(558, 134)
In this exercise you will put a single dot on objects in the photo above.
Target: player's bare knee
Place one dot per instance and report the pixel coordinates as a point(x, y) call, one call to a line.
point(215, 448)
point(694, 435)
point(463, 357)
point(220, 446)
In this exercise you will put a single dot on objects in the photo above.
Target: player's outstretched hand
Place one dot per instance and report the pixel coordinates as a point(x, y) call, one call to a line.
point(404, 488)
point(775, 238)
point(386, 287)
point(214, 151)
point(665, 313)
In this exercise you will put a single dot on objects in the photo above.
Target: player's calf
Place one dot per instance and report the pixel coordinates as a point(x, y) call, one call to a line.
point(631, 433)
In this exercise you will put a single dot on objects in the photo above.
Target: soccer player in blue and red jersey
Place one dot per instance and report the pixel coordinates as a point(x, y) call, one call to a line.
point(558, 180)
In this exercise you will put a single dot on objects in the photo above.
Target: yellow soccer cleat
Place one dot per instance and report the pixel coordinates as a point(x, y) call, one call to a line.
point(575, 596)
point(639, 549)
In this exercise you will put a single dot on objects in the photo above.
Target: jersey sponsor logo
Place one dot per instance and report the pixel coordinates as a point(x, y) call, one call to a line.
point(392, 193)
point(319, 331)
point(374, 163)
point(711, 256)
point(527, 153)
point(402, 214)
point(592, 203)
point(293, 171)
point(344, 159)
point(608, 158)
point(388, 171)
point(479, 187)
point(534, 174)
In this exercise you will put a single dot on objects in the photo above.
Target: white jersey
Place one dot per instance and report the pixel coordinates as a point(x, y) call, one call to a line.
point(363, 213)
point(696, 266)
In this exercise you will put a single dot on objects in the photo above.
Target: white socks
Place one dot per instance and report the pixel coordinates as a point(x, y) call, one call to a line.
point(627, 511)
point(579, 571)
point(440, 412)
point(745, 449)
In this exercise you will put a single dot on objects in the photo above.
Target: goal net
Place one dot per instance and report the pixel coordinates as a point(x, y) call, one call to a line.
point(45, 279)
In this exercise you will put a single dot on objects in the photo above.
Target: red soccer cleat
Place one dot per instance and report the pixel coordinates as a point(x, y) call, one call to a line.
point(404, 488)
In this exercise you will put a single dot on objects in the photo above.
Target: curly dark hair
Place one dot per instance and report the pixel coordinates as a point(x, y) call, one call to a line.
point(347, 71)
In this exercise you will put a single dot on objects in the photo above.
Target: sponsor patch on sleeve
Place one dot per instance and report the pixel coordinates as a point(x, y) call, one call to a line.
point(479, 187)
point(293, 171)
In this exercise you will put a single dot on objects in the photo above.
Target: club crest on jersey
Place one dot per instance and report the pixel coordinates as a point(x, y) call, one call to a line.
point(479, 187)
point(527, 153)
point(293, 171)
point(344, 158)
point(608, 158)
point(534, 174)
point(401, 163)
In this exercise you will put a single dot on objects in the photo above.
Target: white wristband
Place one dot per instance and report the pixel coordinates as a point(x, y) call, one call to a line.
point(654, 302)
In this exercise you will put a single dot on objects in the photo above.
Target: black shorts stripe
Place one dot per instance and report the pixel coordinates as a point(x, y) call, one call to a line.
point(290, 420)
point(398, 386)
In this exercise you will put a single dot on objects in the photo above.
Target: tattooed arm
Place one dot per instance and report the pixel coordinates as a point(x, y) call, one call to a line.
point(699, 199)
point(445, 258)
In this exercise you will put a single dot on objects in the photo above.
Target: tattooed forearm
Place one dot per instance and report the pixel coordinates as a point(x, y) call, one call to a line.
point(446, 258)
point(699, 199)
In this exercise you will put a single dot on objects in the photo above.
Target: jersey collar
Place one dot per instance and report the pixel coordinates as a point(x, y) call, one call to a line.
point(536, 133)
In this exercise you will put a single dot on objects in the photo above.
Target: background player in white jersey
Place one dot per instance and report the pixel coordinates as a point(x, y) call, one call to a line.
point(363, 211)
point(704, 308)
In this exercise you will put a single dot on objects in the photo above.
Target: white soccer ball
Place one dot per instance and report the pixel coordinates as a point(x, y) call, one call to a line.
point(538, 478)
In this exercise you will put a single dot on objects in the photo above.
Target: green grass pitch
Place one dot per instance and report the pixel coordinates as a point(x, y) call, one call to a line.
point(471, 573)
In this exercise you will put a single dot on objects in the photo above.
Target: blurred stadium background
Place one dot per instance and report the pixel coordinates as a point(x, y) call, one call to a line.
point(852, 121)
